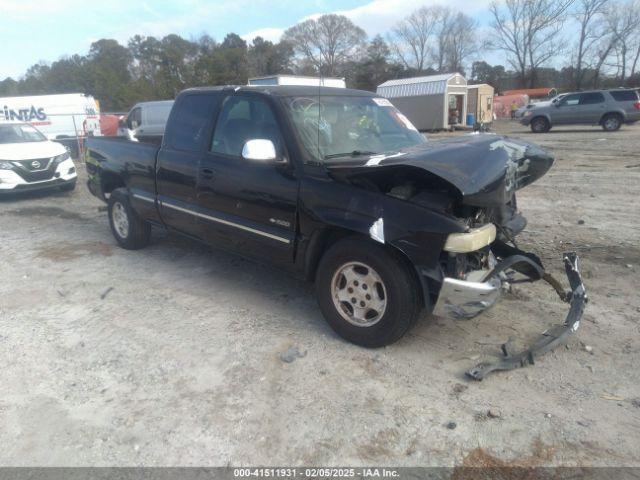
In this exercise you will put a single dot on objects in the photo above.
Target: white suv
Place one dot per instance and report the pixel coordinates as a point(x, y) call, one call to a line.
point(28, 161)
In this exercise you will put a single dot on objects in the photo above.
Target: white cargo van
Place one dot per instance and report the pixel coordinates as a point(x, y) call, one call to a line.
point(146, 121)
point(63, 117)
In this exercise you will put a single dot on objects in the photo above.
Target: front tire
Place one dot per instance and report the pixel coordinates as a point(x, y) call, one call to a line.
point(611, 122)
point(540, 125)
point(130, 231)
point(367, 294)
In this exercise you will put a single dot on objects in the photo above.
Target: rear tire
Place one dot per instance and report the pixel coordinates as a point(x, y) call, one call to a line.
point(367, 293)
point(611, 122)
point(540, 125)
point(127, 227)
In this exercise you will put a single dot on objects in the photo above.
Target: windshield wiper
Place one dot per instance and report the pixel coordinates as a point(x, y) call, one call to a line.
point(355, 153)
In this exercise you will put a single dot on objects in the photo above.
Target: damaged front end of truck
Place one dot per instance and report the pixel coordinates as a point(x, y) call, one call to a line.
point(471, 180)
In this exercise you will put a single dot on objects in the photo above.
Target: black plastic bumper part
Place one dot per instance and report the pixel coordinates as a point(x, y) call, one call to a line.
point(554, 336)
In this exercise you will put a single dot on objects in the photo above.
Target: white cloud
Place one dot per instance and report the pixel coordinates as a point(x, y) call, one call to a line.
point(271, 34)
point(377, 16)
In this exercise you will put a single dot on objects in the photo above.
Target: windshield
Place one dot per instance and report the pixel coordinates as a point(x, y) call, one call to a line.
point(342, 126)
point(19, 133)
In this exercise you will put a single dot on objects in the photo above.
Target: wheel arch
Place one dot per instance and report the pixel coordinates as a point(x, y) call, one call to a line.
point(323, 239)
point(546, 117)
point(617, 113)
point(110, 181)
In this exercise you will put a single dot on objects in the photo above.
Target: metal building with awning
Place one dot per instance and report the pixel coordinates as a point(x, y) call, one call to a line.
point(434, 102)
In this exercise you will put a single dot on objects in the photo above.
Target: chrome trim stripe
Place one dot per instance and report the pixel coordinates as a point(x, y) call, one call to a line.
point(225, 222)
point(144, 197)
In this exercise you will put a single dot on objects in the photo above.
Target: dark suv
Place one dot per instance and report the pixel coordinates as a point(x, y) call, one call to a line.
point(608, 108)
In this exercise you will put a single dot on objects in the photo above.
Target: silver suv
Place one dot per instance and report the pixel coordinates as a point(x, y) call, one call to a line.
point(608, 108)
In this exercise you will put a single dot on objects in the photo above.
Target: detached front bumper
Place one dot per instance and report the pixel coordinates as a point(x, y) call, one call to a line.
point(464, 299)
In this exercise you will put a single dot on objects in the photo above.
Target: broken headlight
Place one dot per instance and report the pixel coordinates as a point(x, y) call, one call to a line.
point(6, 165)
point(472, 240)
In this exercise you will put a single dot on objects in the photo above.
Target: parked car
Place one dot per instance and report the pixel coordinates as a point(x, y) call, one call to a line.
point(608, 108)
point(66, 118)
point(146, 122)
point(337, 186)
point(28, 161)
point(522, 110)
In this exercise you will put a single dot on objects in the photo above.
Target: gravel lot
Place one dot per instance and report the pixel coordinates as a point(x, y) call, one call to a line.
point(172, 355)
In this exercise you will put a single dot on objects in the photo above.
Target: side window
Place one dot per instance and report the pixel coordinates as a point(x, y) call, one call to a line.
point(624, 95)
point(591, 98)
point(189, 124)
point(242, 119)
point(570, 100)
point(135, 118)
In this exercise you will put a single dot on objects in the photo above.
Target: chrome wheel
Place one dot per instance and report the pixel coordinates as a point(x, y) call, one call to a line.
point(611, 123)
point(359, 294)
point(539, 126)
point(120, 219)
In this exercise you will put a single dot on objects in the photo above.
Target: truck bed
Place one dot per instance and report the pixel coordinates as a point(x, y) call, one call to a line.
point(113, 158)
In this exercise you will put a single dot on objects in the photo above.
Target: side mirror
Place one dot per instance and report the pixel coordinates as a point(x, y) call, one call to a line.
point(260, 150)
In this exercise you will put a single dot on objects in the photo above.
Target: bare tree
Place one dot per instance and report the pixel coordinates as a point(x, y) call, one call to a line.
point(410, 37)
point(460, 42)
point(445, 18)
point(326, 42)
point(589, 15)
point(529, 32)
point(624, 22)
point(636, 56)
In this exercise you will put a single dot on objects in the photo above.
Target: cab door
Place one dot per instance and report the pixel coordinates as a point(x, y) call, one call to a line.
point(566, 111)
point(185, 143)
point(248, 205)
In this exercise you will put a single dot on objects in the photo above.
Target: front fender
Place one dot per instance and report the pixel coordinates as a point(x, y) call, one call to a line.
point(419, 233)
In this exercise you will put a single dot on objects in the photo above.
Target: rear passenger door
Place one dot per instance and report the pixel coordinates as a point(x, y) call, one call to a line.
point(248, 205)
point(185, 142)
point(591, 107)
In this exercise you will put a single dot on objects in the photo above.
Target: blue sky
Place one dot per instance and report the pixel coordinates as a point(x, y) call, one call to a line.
point(45, 30)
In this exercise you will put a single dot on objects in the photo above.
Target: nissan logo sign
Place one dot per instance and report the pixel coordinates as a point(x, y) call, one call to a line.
point(35, 164)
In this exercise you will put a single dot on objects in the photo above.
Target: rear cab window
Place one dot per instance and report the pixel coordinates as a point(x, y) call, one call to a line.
point(189, 125)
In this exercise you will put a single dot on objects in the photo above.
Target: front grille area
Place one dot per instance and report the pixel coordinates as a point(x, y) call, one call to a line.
point(33, 165)
point(32, 172)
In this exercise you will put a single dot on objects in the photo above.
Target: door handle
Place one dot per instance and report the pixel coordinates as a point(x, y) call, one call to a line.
point(207, 173)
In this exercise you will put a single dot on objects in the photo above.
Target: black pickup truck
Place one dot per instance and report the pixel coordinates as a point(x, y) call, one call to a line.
point(337, 186)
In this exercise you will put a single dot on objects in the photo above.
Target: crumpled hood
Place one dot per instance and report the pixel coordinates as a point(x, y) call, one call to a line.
point(30, 150)
point(485, 168)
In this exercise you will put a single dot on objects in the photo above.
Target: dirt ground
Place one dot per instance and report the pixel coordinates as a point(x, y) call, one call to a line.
point(172, 355)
